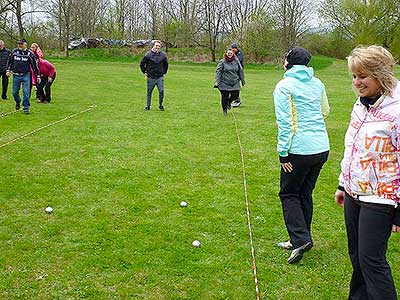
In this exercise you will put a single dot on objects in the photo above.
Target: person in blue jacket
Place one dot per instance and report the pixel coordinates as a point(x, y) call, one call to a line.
point(301, 105)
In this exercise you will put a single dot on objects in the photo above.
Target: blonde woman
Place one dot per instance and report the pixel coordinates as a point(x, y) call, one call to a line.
point(370, 174)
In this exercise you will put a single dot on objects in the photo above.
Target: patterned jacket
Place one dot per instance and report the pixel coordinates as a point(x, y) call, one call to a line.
point(370, 166)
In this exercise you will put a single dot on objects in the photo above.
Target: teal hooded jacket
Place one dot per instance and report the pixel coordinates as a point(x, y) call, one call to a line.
point(301, 105)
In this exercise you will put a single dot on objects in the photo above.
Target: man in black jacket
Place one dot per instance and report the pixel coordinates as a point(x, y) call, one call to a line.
point(19, 63)
point(155, 65)
point(239, 55)
point(4, 55)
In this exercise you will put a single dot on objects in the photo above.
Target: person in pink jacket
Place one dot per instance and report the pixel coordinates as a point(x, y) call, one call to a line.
point(48, 75)
point(369, 183)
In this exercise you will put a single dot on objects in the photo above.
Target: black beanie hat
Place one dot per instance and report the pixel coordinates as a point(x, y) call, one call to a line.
point(297, 56)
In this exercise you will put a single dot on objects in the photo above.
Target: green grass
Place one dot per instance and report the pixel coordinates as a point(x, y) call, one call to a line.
point(116, 175)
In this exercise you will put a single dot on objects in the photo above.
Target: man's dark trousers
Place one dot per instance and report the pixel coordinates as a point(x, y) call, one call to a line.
point(4, 85)
point(296, 189)
point(368, 228)
point(151, 83)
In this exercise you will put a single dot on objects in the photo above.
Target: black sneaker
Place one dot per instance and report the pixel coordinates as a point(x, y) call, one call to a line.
point(147, 108)
point(26, 111)
point(225, 112)
point(161, 108)
point(297, 254)
point(4, 97)
point(17, 106)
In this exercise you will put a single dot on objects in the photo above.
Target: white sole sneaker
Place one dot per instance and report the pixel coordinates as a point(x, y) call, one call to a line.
point(285, 245)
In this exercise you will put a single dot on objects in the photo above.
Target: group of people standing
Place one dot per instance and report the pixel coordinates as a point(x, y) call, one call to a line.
point(369, 182)
point(28, 69)
point(229, 75)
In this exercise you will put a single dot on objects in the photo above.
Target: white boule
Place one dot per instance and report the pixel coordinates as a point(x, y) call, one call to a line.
point(196, 243)
point(49, 209)
point(184, 204)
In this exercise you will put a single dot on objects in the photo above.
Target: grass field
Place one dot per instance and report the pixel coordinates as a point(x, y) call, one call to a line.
point(115, 177)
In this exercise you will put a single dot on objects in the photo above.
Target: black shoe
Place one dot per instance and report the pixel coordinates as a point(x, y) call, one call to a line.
point(229, 106)
point(297, 254)
point(147, 108)
point(225, 112)
point(161, 108)
point(26, 111)
point(17, 106)
point(4, 97)
point(236, 104)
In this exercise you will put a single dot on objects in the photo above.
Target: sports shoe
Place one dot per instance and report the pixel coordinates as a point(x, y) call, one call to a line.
point(285, 245)
point(17, 106)
point(161, 108)
point(26, 111)
point(147, 108)
point(236, 104)
point(297, 254)
point(225, 112)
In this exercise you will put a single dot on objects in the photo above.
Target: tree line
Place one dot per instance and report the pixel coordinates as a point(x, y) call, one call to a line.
point(264, 28)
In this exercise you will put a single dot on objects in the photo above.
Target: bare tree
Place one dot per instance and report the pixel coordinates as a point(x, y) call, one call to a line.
point(292, 19)
point(212, 24)
point(240, 13)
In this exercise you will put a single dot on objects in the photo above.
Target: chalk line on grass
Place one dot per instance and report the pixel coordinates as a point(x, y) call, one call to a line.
point(253, 256)
point(46, 126)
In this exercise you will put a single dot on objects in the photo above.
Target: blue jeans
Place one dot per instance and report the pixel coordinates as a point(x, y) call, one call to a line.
point(25, 80)
point(151, 83)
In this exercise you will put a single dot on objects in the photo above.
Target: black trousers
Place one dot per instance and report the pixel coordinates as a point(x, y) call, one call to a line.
point(296, 190)
point(368, 230)
point(44, 88)
point(227, 97)
point(4, 85)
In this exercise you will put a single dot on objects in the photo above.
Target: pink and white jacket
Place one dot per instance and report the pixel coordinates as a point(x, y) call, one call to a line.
point(370, 166)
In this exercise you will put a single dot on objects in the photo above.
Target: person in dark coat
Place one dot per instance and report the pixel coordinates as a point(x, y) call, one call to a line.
point(228, 76)
point(154, 66)
point(239, 54)
point(4, 55)
point(19, 65)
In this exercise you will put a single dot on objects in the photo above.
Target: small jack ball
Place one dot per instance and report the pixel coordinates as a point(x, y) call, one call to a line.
point(184, 204)
point(49, 210)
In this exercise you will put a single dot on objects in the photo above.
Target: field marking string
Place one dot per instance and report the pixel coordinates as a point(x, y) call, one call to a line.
point(46, 126)
point(5, 114)
point(253, 256)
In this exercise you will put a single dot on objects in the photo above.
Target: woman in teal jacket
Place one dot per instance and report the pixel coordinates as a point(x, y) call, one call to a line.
point(301, 105)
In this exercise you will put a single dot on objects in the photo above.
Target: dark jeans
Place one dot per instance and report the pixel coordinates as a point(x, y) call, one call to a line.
point(227, 97)
point(368, 230)
point(151, 83)
point(24, 81)
point(296, 195)
point(4, 85)
point(44, 88)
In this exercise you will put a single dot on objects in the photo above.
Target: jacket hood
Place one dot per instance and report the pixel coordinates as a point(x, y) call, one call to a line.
point(300, 72)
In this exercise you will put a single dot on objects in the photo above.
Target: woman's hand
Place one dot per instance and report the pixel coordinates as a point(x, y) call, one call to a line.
point(339, 197)
point(287, 167)
point(395, 228)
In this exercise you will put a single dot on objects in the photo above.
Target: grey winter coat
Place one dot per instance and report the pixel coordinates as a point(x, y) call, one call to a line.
point(228, 75)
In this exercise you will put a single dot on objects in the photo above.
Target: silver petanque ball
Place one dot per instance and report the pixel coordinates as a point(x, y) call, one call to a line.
point(184, 204)
point(49, 210)
point(196, 243)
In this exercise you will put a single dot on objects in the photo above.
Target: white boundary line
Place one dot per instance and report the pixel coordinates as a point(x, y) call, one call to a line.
point(46, 126)
point(4, 114)
point(253, 256)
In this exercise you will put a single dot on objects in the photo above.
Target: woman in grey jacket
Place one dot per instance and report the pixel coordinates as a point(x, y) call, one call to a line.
point(228, 76)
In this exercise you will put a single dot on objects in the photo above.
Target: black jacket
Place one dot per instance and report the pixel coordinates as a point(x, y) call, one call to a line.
point(21, 60)
point(239, 55)
point(4, 55)
point(155, 65)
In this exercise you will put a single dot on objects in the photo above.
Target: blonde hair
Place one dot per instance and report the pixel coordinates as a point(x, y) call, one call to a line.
point(374, 61)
